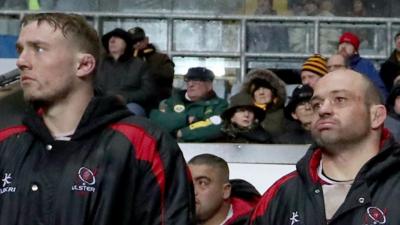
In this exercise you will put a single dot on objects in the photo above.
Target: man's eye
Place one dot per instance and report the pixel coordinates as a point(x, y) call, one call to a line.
point(340, 99)
point(39, 49)
point(316, 105)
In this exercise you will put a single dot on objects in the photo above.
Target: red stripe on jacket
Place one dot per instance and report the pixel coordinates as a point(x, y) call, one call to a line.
point(145, 149)
point(11, 131)
point(262, 206)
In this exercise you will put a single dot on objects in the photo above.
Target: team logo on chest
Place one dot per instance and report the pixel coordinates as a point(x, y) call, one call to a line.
point(86, 180)
point(375, 216)
point(294, 219)
point(7, 184)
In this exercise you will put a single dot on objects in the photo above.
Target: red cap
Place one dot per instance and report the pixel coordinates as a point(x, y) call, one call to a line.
point(350, 38)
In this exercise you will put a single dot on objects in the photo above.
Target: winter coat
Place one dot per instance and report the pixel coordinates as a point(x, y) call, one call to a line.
point(390, 69)
point(274, 121)
point(297, 198)
point(127, 77)
point(162, 70)
point(116, 169)
point(392, 121)
point(254, 134)
point(365, 67)
point(173, 115)
point(295, 135)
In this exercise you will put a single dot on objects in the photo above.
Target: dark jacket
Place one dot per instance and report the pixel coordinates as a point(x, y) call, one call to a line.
point(116, 169)
point(372, 198)
point(128, 77)
point(365, 67)
point(173, 114)
point(392, 121)
point(254, 134)
point(244, 197)
point(295, 135)
point(390, 69)
point(162, 70)
point(274, 121)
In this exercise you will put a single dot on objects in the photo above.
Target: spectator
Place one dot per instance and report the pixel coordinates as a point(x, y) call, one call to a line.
point(268, 92)
point(80, 158)
point(390, 69)
point(311, 8)
point(392, 122)
point(219, 202)
point(192, 115)
point(122, 75)
point(241, 123)
point(161, 66)
point(299, 110)
point(348, 48)
point(337, 62)
point(348, 177)
point(313, 69)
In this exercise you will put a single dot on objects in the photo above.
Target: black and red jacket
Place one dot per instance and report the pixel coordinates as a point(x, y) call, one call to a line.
point(117, 169)
point(244, 197)
point(297, 198)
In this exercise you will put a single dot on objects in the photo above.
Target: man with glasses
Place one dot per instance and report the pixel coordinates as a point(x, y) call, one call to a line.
point(336, 62)
point(192, 115)
point(299, 111)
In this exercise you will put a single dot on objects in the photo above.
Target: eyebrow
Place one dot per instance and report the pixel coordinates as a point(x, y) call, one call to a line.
point(202, 177)
point(32, 43)
point(332, 92)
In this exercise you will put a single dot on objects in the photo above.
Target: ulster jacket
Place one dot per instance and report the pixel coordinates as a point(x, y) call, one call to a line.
point(115, 170)
point(297, 198)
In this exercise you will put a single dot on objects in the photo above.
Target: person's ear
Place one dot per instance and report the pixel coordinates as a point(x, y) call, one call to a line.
point(227, 191)
point(294, 115)
point(378, 116)
point(86, 64)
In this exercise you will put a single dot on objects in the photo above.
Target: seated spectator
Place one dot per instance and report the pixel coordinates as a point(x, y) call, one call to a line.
point(122, 75)
point(390, 69)
point(313, 69)
point(192, 115)
point(241, 123)
point(392, 121)
point(299, 110)
point(267, 92)
point(336, 62)
point(161, 66)
point(219, 202)
point(348, 48)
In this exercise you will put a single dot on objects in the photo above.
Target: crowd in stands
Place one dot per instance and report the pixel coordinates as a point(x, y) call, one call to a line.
point(141, 77)
point(87, 128)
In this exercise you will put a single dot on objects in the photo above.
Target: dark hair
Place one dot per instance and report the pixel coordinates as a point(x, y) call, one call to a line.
point(72, 26)
point(396, 36)
point(213, 161)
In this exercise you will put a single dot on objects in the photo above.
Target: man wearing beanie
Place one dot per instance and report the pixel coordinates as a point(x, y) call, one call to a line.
point(313, 69)
point(122, 75)
point(348, 47)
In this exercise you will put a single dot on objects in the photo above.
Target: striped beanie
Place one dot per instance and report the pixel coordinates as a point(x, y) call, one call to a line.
point(315, 64)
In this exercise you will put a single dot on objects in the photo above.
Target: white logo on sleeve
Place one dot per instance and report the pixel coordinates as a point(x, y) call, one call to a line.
point(295, 218)
point(6, 182)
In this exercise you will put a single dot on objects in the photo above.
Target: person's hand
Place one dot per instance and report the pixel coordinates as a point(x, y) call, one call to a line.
point(191, 119)
point(121, 99)
point(179, 134)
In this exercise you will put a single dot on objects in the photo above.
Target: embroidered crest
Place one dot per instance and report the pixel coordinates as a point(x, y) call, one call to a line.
point(179, 108)
point(374, 216)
